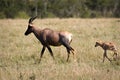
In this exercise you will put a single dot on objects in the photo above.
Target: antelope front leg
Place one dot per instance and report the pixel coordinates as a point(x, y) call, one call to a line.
point(51, 53)
point(42, 52)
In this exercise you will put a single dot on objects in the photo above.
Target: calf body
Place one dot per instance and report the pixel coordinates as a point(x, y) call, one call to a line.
point(48, 38)
point(107, 46)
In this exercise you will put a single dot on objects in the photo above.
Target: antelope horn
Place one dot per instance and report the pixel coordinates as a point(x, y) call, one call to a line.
point(32, 18)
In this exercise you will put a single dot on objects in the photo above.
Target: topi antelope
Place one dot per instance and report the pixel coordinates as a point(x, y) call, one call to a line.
point(48, 38)
point(107, 46)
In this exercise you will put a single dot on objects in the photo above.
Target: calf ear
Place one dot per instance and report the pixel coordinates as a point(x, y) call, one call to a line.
point(96, 42)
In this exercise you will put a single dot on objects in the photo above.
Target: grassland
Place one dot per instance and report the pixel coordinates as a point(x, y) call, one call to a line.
point(19, 53)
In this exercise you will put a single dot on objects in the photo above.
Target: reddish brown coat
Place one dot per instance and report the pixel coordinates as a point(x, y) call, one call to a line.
point(49, 37)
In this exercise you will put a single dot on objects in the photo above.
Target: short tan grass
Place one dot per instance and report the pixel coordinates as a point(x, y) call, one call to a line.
point(19, 53)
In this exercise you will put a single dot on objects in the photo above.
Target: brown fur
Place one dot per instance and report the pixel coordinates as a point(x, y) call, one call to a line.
point(107, 46)
point(48, 38)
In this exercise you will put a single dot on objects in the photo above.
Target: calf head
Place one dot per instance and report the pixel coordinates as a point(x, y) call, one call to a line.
point(98, 43)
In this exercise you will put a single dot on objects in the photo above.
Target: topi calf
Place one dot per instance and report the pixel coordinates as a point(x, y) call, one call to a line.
point(107, 46)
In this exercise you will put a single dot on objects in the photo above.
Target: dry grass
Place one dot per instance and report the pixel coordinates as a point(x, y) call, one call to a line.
point(19, 53)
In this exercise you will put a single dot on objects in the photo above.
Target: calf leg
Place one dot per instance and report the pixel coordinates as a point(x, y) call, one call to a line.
point(115, 56)
point(105, 55)
point(108, 58)
point(50, 50)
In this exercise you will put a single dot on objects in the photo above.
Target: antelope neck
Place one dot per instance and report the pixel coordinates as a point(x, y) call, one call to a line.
point(36, 31)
